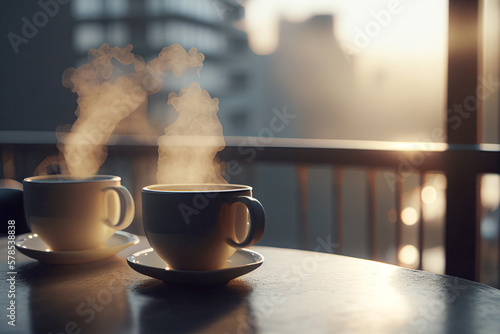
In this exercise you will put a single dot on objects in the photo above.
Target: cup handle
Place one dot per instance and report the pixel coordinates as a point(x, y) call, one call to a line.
point(257, 221)
point(127, 208)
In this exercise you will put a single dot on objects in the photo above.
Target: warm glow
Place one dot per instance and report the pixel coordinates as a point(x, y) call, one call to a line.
point(490, 191)
point(419, 146)
point(358, 24)
point(434, 199)
point(388, 293)
point(408, 255)
point(434, 260)
point(263, 24)
point(429, 194)
point(11, 184)
point(409, 216)
point(439, 181)
point(362, 67)
point(262, 19)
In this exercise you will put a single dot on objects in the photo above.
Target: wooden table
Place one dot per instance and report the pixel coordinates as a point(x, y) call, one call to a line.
point(292, 292)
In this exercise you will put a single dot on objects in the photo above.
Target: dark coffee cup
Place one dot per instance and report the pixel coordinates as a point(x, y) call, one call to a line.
point(199, 226)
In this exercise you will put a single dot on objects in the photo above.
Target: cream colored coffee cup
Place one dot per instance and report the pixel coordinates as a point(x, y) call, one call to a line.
point(72, 214)
point(199, 226)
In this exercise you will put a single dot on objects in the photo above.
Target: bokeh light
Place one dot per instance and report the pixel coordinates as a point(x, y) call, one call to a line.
point(409, 216)
point(490, 191)
point(428, 194)
point(408, 255)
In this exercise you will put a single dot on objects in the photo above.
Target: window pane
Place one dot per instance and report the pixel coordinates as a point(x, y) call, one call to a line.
point(153, 7)
point(86, 9)
point(118, 34)
point(155, 34)
point(116, 8)
point(88, 35)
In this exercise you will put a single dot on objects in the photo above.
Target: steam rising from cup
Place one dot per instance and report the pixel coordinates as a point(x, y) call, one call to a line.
point(107, 95)
point(187, 152)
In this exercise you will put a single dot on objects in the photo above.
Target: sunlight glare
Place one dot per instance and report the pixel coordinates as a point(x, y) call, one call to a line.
point(429, 194)
point(490, 191)
point(408, 255)
point(400, 32)
point(409, 216)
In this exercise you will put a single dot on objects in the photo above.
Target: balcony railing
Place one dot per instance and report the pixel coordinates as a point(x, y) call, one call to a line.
point(135, 158)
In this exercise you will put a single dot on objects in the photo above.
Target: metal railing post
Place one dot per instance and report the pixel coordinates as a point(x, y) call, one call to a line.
point(462, 227)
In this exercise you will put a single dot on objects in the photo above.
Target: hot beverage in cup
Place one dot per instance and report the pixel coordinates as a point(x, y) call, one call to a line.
point(199, 226)
point(72, 214)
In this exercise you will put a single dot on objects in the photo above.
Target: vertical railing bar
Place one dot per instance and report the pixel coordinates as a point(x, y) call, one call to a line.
point(479, 219)
point(303, 228)
point(399, 222)
point(371, 212)
point(338, 206)
point(462, 228)
point(421, 224)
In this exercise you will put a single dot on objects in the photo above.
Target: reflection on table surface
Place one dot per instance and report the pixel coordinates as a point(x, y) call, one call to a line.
point(292, 292)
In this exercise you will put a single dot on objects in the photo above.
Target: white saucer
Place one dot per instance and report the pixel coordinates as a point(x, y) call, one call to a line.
point(148, 263)
point(31, 245)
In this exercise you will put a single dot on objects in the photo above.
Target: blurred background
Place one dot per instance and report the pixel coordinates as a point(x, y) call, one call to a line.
point(346, 73)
